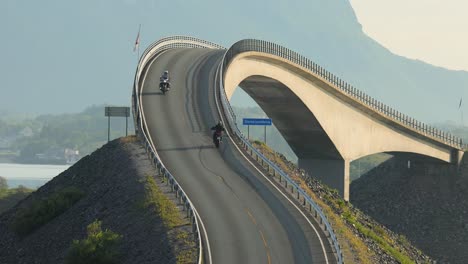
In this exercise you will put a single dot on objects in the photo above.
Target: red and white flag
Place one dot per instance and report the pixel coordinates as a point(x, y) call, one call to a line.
point(137, 41)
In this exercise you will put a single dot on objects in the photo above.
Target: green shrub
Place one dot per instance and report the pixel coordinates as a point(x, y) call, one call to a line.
point(98, 248)
point(10, 197)
point(258, 142)
point(3, 184)
point(40, 212)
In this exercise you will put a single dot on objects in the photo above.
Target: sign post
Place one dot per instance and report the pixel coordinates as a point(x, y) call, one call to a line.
point(123, 111)
point(257, 122)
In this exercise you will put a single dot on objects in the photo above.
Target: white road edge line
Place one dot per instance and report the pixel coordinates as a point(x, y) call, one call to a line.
point(229, 136)
point(210, 261)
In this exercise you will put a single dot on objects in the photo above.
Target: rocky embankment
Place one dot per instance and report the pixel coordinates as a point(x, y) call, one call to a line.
point(428, 203)
point(111, 183)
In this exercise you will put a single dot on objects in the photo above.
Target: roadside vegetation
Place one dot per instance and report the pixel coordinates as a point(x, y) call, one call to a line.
point(165, 208)
point(156, 201)
point(42, 211)
point(99, 247)
point(189, 253)
point(11, 196)
point(362, 239)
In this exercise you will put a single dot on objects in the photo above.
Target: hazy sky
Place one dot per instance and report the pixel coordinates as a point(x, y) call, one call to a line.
point(434, 31)
point(62, 56)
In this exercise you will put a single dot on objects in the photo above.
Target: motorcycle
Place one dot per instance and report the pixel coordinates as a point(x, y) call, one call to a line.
point(164, 85)
point(217, 138)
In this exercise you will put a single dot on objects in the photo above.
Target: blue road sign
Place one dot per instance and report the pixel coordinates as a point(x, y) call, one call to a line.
point(256, 121)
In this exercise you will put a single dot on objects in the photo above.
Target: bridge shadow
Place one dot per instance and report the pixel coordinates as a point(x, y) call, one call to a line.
point(151, 93)
point(187, 148)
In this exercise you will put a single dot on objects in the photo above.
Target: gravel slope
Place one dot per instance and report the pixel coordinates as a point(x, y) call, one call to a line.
point(111, 178)
point(427, 203)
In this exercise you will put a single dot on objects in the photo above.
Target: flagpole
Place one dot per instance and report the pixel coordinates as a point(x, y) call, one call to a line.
point(139, 29)
point(461, 113)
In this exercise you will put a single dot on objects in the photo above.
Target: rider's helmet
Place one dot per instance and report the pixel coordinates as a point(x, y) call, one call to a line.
point(220, 123)
point(166, 72)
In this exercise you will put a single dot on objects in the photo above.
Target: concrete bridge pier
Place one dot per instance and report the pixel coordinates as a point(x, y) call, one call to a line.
point(333, 173)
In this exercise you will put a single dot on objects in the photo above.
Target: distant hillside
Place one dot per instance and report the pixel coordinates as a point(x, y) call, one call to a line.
point(91, 59)
point(43, 139)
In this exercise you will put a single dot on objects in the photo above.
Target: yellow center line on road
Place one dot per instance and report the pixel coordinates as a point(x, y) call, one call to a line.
point(252, 218)
point(266, 246)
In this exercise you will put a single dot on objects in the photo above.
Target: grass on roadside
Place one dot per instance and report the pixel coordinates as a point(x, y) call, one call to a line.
point(166, 209)
point(128, 139)
point(162, 206)
point(186, 255)
point(354, 248)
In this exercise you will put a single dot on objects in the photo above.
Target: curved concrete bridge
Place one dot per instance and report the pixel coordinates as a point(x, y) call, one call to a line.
point(327, 122)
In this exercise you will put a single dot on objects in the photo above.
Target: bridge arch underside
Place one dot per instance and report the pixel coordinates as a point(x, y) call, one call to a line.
point(324, 127)
point(296, 123)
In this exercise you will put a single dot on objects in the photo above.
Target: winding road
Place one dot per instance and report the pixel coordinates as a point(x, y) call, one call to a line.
point(247, 219)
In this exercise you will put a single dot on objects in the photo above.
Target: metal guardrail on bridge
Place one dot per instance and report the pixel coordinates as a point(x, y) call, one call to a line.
point(295, 58)
point(231, 117)
point(140, 124)
point(299, 60)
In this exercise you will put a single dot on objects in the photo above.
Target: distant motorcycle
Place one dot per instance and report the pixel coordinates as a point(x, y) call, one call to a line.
point(218, 138)
point(164, 85)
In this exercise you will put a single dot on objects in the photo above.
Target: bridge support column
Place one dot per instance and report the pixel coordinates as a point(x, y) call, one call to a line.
point(333, 173)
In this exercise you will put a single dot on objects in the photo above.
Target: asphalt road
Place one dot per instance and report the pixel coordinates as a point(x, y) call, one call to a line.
point(247, 220)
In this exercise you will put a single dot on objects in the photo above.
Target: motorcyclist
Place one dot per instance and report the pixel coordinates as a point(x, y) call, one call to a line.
point(165, 76)
point(218, 130)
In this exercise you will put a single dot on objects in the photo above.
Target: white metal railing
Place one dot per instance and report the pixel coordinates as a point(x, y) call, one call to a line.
point(294, 58)
point(142, 130)
point(347, 89)
point(283, 176)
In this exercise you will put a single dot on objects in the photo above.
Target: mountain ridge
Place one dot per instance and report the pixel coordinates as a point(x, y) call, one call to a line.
point(93, 56)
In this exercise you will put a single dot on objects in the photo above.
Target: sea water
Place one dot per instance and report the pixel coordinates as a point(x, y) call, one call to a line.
point(29, 175)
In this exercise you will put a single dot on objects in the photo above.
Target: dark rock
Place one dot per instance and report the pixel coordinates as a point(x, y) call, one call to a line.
point(427, 205)
point(110, 177)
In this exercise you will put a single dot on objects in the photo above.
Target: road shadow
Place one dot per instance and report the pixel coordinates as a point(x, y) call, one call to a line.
point(187, 148)
point(152, 93)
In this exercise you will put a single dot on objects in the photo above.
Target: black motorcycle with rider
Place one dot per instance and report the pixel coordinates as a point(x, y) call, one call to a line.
point(218, 133)
point(164, 84)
